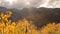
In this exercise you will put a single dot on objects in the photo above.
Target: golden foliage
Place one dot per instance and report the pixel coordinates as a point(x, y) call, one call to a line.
point(20, 27)
point(25, 27)
point(51, 28)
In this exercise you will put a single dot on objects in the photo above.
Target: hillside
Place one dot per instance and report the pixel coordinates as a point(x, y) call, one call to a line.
point(39, 16)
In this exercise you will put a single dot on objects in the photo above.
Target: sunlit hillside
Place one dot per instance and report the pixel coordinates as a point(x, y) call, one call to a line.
point(24, 27)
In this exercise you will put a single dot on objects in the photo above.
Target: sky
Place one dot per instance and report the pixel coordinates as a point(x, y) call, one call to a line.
point(30, 3)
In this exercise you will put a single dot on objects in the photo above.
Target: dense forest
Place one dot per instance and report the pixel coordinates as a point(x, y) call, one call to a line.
point(30, 21)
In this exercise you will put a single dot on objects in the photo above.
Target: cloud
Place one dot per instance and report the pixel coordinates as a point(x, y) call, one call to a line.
point(30, 3)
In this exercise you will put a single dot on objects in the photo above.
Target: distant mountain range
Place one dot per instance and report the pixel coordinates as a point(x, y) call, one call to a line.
point(39, 16)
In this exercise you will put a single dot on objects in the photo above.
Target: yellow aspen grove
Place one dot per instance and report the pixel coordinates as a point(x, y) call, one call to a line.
point(24, 27)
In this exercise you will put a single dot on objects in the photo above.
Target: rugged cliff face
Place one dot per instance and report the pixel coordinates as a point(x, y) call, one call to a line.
point(39, 16)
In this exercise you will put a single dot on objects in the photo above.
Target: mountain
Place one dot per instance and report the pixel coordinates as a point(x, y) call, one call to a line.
point(39, 16)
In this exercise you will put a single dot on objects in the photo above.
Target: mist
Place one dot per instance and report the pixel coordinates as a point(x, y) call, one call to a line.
point(32, 11)
point(19, 4)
